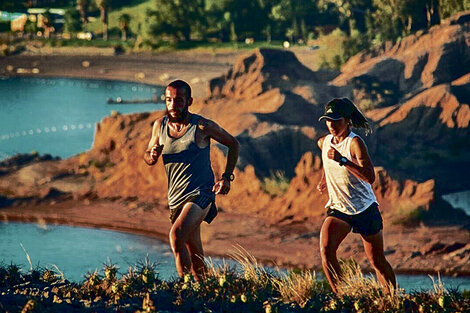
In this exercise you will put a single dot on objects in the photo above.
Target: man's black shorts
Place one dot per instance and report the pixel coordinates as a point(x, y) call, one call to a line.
point(365, 223)
point(202, 201)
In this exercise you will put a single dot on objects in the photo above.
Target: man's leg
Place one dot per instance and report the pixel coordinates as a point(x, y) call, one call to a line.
point(190, 218)
point(333, 232)
point(374, 248)
point(196, 253)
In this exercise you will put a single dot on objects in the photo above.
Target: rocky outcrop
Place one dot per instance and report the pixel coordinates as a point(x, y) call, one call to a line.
point(260, 71)
point(427, 137)
point(420, 61)
point(272, 103)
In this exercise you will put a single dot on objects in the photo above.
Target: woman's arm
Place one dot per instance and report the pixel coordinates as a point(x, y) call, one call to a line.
point(363, 169)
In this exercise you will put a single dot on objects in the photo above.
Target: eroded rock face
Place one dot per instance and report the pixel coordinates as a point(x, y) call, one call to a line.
point(427, 137)
point(260, 71)
point(420, 61)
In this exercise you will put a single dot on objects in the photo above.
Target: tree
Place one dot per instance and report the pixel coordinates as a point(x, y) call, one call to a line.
point(447, 8)
point(124, 21)
point(353, 14)
point(72, 21)
point(243, 18)
point(397, 18)
point(47, 23)
point(103, 5)
point(82, 7)
point(176, 18)
point(12, 6)
point(296, 15)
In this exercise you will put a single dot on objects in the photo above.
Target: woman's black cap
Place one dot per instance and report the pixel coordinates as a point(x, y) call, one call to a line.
point(337, 109)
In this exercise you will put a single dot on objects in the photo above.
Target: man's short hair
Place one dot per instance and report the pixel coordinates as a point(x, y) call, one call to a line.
point(181, 84)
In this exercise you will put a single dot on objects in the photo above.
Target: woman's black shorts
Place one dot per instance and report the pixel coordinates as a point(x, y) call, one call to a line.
point(365, 223)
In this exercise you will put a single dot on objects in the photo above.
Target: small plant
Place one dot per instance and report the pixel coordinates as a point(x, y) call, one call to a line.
point(13, 274)
point(92, 279)
point(110, 270)
point(147, 272)
point(276, 184)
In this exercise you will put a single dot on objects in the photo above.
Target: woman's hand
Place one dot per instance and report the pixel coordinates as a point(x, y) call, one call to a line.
point(333, 154)
point(321, 187)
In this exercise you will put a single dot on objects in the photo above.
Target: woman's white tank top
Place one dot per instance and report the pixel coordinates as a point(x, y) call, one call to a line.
point(347, 193)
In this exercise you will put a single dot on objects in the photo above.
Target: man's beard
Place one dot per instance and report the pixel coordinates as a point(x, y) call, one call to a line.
point(180, 116)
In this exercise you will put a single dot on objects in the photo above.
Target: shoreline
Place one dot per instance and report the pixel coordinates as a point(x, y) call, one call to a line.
point(155, 70)
point(40, 218)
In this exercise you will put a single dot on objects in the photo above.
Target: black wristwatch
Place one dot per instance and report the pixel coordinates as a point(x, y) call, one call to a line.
point(342, 161)
point(228, 176)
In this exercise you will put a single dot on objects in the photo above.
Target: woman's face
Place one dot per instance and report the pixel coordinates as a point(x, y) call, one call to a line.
point(337, 127)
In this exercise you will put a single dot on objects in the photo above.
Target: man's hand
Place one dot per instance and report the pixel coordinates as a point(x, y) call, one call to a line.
point(152, 155)
point(221, 187)
point(333, 154)
point(155, 152)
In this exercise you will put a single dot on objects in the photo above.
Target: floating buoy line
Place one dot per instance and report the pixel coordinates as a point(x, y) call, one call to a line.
point(53, 129)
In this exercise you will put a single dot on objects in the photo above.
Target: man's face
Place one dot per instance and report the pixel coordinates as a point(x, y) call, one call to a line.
point(177, 104)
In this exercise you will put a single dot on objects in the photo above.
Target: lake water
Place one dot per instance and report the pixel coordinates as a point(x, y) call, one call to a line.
point(58, 115)
point(460, 200)
point(76, 250)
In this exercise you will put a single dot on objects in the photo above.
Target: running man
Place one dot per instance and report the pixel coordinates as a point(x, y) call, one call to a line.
point(183, 140)
point(347, 175)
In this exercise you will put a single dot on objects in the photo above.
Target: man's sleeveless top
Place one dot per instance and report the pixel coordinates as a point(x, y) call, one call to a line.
point(347, 193)
point(187, 166)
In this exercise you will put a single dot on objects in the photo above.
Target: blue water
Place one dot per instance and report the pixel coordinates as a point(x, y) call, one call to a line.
point(459, 200)
point(58, 115)
point(76, 250)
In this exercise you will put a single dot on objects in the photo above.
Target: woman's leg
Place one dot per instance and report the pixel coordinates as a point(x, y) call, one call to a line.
point(332, 233)
point(374, 248)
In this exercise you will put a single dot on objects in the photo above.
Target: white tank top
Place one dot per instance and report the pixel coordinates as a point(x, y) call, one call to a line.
point(347, 193)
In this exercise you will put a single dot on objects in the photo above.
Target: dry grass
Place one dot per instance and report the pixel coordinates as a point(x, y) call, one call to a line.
point(252, 270)
point(297, 287)
point(355, 284)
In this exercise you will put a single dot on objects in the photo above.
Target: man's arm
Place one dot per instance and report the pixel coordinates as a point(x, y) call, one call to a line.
point(214, 131)
point(363, 169)
point(154, 149)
